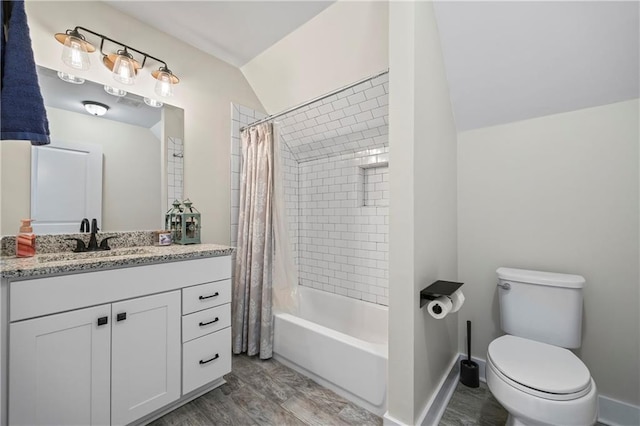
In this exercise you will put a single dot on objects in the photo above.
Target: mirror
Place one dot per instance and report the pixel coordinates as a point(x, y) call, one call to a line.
point(142, 153)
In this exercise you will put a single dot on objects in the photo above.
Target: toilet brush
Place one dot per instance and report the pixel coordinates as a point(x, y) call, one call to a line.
point(469, 371)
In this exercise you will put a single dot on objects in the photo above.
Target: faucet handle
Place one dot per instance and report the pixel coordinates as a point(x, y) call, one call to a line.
point(104, 244)
point(80, 246)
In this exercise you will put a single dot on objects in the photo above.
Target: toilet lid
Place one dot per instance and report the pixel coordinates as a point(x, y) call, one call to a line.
point(539, 366)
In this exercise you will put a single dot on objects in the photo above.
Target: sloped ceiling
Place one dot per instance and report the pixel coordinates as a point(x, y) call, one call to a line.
point(509, 61)
point(234, 31)
point(505, 61)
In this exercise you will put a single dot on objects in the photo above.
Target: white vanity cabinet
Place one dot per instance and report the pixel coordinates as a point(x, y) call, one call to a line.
point(127, 357)
point(60, 369)
point(145, 356)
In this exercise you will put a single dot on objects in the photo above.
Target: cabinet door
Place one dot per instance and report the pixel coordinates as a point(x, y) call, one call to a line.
point(59, 370)
point(145, 355)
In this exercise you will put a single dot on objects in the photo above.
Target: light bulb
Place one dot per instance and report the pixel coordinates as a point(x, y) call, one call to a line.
point(164, 85)
point(124, 69)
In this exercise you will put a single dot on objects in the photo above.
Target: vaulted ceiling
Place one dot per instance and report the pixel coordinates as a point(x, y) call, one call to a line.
point(505, 60)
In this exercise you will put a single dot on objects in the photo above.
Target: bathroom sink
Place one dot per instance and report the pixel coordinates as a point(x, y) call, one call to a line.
point(58, 257)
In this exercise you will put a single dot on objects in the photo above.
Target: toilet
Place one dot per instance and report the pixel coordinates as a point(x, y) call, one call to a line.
point(530, 370)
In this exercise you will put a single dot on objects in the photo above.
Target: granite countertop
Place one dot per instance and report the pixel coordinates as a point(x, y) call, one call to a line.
point(68, 262)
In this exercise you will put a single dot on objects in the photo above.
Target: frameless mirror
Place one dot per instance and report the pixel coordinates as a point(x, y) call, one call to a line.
point(141, 150)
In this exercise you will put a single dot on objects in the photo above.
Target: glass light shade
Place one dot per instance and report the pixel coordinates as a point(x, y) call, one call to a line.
point(95, 108)
point(114, 91)
point(70, 78)
point(153, 102)
point(124, 69)
point(74, 53)
point(164, 84)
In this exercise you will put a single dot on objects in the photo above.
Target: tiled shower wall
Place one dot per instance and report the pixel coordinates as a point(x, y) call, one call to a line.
point(175, 152)
point(335, 158)
point(344, 243)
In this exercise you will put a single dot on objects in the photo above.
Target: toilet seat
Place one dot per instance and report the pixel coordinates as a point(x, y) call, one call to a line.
point(539, 369)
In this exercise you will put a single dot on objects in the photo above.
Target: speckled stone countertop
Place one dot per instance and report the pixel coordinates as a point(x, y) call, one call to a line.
point(64, 262)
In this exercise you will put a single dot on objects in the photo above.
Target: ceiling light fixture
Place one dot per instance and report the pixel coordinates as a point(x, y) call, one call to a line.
point(95, 108)
point(123, 65)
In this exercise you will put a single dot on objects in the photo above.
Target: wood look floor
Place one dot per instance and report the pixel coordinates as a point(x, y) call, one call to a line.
point(268, 393)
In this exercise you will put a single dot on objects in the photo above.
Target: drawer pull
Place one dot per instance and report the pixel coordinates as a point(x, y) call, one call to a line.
point(209, 297)
point(103, 321)
point(209, 360)
point(202, 324)
point(121, 317)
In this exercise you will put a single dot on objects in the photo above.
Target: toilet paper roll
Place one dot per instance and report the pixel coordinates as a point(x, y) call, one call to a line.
point(457, 299)
point(440, 307)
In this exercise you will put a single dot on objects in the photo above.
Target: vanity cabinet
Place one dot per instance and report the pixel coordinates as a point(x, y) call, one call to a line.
point(145, 356)
point(62, 366)
point(60, 369)
point(126, 361)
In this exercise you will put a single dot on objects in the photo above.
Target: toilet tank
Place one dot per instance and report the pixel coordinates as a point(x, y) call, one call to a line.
point(541, 306)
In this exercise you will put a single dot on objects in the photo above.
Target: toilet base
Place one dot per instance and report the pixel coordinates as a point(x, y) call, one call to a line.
point(528, 410)
point(512, 421)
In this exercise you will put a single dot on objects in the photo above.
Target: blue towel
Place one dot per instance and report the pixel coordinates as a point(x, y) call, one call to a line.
point(23, 115)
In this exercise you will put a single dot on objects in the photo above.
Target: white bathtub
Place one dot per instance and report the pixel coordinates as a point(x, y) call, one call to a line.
point(339, 342)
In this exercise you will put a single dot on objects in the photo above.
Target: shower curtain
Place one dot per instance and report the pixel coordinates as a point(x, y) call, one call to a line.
point(252, 319)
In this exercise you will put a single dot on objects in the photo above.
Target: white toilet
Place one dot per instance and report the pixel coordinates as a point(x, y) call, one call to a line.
point(529, 371)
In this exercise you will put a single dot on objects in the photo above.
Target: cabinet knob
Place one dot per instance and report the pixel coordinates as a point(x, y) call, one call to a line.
point(210, 296)
point(103, 321)
point(121, 317)
point(202, 324)
point(209, 360)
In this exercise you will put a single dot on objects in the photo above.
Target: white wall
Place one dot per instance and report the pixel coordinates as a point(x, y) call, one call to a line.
point(558, 193)
point(346, 42)
point(422, 209)
point(206, 89)
point(131, 181)
point(15, 185)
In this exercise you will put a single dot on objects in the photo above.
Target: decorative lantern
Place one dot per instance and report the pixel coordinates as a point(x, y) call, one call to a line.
point(183, 221)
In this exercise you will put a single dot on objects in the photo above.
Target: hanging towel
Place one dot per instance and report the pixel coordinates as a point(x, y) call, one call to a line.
point(23, 115)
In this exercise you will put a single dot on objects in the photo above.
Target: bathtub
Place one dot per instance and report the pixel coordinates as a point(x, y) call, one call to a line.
point(340, 343)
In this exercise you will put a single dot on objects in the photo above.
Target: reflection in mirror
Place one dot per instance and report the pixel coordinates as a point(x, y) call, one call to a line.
point(142, 149)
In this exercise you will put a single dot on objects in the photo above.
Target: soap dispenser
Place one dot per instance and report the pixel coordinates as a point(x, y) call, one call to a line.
point(26, 240)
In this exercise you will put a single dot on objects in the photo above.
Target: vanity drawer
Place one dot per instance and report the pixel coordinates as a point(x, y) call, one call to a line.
point(206, 359)
point(205, 296)
point(204, 322)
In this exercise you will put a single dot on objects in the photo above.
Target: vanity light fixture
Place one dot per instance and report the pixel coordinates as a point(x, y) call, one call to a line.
point(70, 78)
point(122, 64)
point(95, 108)
point(114, 91)
point(153, 102)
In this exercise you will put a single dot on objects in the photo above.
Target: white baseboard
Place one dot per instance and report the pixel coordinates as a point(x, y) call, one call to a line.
point(617, 413)
point(436, 407)
point(388, 420)
point(610, 411)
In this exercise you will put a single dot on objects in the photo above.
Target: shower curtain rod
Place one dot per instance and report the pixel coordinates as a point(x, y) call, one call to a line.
point(319, 98)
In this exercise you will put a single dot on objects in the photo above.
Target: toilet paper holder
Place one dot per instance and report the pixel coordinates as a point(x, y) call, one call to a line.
point(437, 289)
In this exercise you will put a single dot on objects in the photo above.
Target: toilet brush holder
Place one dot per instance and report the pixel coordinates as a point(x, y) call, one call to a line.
point(469, 370)
point(469, 373)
